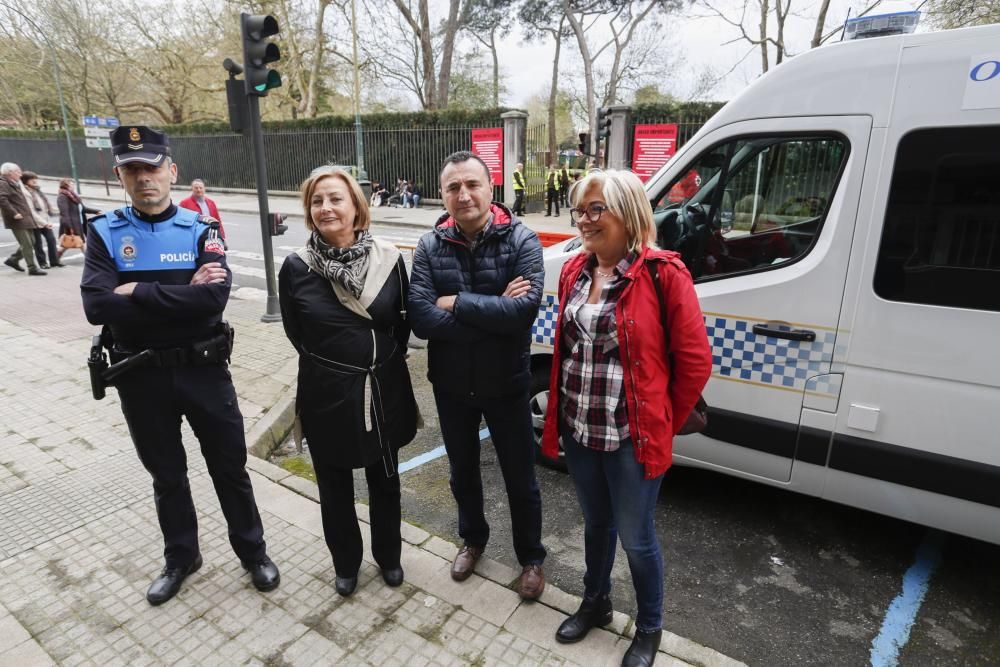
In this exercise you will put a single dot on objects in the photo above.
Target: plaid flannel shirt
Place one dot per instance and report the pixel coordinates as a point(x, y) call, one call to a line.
point(592, 395)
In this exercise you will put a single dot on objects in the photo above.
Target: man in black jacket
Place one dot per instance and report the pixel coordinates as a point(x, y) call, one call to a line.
point(474, 294)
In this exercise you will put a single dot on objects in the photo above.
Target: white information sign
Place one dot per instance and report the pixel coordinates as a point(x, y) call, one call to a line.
point(98, 142)
point(96, 132)
point(982, 82)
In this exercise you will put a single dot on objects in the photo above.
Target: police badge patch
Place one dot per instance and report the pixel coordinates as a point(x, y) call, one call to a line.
point(127, 251)
point(215, 245)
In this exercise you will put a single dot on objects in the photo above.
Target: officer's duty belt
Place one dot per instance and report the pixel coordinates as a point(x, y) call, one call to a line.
point(210, 352)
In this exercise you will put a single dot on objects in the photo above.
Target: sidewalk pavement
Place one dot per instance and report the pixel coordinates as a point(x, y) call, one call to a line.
point(79, 542)
point(93, 194)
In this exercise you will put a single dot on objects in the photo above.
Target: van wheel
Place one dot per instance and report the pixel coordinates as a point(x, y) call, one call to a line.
point(539, 402)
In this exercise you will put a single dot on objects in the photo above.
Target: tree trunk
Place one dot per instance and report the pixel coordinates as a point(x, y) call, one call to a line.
point(496, 67)
point(447, 53)
point(817, 39)
point(588, 72)
point(764, 9)
point(554, 91)
point(309, 103)
point(620, 47)
point(422, 31)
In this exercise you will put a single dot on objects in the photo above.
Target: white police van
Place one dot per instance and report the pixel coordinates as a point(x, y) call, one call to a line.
point(841, 218)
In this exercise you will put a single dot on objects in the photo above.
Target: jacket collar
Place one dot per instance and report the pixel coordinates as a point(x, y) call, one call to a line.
point(503, 221)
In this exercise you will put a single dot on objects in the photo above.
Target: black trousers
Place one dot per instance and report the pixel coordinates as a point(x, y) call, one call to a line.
point(553, 198)
point(518, 202)
point(153, 401)
point(340, 520)
point(43, 237)
point(509, 421)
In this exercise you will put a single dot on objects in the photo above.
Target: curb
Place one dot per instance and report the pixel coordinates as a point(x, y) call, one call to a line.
point(273, 426)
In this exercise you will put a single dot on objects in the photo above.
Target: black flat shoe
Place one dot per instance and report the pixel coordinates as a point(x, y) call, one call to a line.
point(263, 573)
point(169, 582)
point(593, 612)
point(345, 585)
point(393, 576)
point(642, 651)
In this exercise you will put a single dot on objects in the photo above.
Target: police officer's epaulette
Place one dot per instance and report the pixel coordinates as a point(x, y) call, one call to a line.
point(213, 242)
point(209, 220)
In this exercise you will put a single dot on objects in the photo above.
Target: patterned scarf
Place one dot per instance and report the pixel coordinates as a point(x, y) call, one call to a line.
point(345, 266)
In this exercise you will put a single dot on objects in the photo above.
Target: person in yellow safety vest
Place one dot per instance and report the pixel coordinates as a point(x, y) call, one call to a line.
point(564, 181)
point(552, 189)
point(590, 167)
point(518, 208)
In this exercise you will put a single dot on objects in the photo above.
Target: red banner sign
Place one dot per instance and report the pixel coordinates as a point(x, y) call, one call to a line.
point(487, 143)
point(652, 147)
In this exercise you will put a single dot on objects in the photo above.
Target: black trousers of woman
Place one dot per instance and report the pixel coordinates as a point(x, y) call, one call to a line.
point(340, 521)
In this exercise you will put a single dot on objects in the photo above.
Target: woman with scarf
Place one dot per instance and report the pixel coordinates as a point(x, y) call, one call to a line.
point(71, 213)
point(343, 304)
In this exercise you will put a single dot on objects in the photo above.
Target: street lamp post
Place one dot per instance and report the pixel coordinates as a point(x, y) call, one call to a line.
point(62, 101)
point(359, 142)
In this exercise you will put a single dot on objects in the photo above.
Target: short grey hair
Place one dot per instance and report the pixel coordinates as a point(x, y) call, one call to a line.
point(8, 167)
point(197, 180)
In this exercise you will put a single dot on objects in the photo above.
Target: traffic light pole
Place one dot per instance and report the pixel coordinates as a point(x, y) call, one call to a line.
point(272, 313)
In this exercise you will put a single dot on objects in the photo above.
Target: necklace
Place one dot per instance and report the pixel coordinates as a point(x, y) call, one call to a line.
point(604, 275)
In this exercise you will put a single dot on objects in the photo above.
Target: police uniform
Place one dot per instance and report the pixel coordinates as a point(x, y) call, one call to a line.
point(177, 329)
point(518, 208)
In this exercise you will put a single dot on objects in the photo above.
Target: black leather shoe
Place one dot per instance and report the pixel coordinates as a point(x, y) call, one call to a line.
point(14, 264)
point(263, 573)
point(642, 651)
point(593, 612)
point(393, 576)
point(33, 271)
point(345, 585)
point(169, 582)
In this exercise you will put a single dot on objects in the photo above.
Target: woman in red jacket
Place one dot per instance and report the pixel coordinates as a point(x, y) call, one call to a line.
point(618, 395)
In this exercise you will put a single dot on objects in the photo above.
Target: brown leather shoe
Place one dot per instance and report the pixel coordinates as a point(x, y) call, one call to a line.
point(531, 583)
point(465, 562)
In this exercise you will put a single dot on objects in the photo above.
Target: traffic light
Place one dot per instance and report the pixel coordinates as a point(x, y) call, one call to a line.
point(603, 123)
point(278, 226)
point(258, 52)
point(584, 145)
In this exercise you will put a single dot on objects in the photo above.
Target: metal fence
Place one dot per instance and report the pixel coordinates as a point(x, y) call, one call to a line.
point(536, 163)
point(226, 161)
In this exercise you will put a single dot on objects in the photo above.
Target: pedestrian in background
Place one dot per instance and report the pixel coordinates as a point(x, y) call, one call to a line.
point(19, 217)
point(518, 189)
point(72, 217)
point(476, 286)
point(552, 190)
point(620, 388)
point(199, 203)
point(156, 276)
point(45, 237)
point(564, 182)
point(343, 305)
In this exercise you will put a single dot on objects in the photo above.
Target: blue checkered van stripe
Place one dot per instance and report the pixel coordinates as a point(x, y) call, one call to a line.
point(738, 353)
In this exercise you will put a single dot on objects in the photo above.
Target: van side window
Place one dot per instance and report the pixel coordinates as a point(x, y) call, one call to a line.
point(941, 239)
point(750, 204)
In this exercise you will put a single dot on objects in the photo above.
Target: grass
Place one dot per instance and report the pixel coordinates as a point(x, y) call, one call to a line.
point(299, 467)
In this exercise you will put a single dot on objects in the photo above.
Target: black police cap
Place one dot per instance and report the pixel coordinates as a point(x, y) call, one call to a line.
point(138, 143)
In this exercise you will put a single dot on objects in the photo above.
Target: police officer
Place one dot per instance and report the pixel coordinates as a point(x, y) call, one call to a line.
point(518, 208)
point(156, 276)
point(564, 181)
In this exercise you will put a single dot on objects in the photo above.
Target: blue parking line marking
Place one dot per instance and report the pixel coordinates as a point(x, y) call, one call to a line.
point(435, 453)
point(902, 613)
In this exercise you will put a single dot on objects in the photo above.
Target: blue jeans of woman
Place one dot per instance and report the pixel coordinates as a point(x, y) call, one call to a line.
point(618, 502)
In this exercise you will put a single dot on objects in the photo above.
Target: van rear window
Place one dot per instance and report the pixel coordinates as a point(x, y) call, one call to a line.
point(941, 238)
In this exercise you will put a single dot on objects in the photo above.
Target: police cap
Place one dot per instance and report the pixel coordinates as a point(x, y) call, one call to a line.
point(138, 143)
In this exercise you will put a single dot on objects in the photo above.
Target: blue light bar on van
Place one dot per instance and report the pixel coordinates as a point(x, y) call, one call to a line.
point(884, 24)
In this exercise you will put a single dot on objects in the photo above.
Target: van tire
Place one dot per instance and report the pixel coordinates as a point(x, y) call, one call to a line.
point(538, 401)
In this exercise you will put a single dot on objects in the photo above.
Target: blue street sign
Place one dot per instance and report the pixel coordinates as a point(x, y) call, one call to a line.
point(112, 121)
point(90, 121)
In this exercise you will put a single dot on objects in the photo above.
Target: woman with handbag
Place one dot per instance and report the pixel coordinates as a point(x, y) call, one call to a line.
point(343, 307)
point(623, 384)
point(72, 227)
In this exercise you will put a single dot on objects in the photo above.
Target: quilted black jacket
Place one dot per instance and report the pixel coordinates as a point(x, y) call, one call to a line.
point(482, 348)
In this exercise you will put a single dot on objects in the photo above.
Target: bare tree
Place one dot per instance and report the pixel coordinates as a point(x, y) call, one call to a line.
point(487, 21)
point(962, 13)
point(541, 19)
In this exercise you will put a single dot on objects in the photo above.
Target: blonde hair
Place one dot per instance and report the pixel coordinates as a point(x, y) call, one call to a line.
point(626, 198)
point(308, 189)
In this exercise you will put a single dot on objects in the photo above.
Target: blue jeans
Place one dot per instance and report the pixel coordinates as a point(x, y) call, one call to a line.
point(509, 421)
point(618, 502)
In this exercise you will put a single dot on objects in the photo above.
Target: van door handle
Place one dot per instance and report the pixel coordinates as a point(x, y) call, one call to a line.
point(783, 330)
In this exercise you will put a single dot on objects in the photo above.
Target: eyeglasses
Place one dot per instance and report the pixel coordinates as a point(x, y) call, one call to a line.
point(592, 213)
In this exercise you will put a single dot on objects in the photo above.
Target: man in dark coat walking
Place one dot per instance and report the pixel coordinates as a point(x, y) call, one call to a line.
point(18, 217)
point(474, 293)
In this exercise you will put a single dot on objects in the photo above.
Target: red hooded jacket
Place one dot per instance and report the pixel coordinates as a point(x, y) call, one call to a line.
point(658, 397)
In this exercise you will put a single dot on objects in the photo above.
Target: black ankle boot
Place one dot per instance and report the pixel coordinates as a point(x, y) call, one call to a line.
point(593, 612)
point(642, 651)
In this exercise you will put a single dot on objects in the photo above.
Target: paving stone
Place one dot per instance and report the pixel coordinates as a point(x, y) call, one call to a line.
point(26, 654)
point(496, 571)
point(302, 486)
point(12, 632)
point(538, 624)
point(442, 548)
point(413, 534)
point(267, 469)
